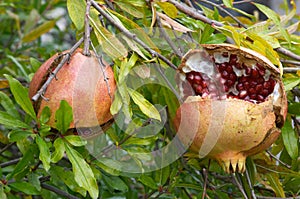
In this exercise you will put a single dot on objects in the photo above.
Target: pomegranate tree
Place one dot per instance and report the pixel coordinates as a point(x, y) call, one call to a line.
point(85, 82)
point(234, 105)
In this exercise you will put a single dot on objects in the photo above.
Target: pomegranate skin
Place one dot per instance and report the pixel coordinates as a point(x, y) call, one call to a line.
point(228, 130)
point(79, 84)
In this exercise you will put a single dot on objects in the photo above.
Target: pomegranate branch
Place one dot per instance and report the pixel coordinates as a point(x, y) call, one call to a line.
point(130, 35)
point(194, 13)
point(86, 51)
point(66, 58)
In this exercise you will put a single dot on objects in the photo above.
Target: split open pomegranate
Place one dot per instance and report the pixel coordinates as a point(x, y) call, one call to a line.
point(85, 82)
point(234, 105)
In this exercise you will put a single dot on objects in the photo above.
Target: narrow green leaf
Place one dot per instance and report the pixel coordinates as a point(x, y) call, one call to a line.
point(131, 9)
point(113, 167)
point(35, 64)
point(67, 177)
point(20, 94)
point(126, 67)
point(290, 139)
point(38, 31)
point(271, 14)
point(24, 163)
point(63, 116)
point(44, 152)
point(146, 107)
point(8, 105)
point(168, 8)
point(16, 135)
point(12, 123)
point(115, 183)
point(76, 9)
point(117, 104)
point(276, 184)
point(228, 3)
point(20, 67)
point(24, 187)
point(83, 173)
point(59, 150)
point(290, 83)
point(148, 181)
point(75, 140)
point(109, 42)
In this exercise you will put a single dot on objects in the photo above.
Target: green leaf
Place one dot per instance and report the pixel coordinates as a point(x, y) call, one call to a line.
point(115, 183)
point(131, 9)
point(290, 139)
point(2, 193)
point(38, 31)
point(146, 107)
point(76, 9)
point(168, 8)
point(44, 156)
point(83, 173)
point(117, 104)
point(109, 165)
point(148, 181)
point(33, 179)
point(24, 187)
point(16, 135)
point(228, 3)
point(20, 94)
point(290, 83)
point(35, 64)
point(276, 184)
point(67, 177)
point(294, 108)
point(12, 123)
point(126, 67)
point(9, 106)
point(59, 150)
point(271, 14)
point(109, 42)
point(63, 117)
point(45, 115)
point(75, 140)
point(24, 163)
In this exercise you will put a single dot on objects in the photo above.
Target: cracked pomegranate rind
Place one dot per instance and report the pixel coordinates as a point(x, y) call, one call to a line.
point(241, 103)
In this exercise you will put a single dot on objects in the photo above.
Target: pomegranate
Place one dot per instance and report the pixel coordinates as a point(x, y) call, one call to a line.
point(235, 107)
point(81, 83)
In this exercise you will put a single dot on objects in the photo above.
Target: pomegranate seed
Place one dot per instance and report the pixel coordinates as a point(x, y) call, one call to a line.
point(197, 79)
point(248, 71)
point(232, 76)
point(238, 66)
point(224, 74)
point(229, 69)
point(190, 76)
point(239, 87)
point(247, 85)
point(242, 94)
point(259, 88)
point(264, 92)
point(225, 54)
point(260, 98)
point(253, 84)
point(198, 89)
point(204, 84)
point(262, 71)
point(252, 91)
point(226, 88)
point(230, 83)
point(260, 80)
point(233, 59)
point(222, 67)
point(243, 79)
point(254, 73)
point(267, 85)
point(253, 96)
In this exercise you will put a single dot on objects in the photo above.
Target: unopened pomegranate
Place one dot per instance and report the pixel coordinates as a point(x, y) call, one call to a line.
point(85, 82)
point(234, 105)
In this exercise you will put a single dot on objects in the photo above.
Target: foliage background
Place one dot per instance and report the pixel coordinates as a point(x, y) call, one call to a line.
point(31, 163)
